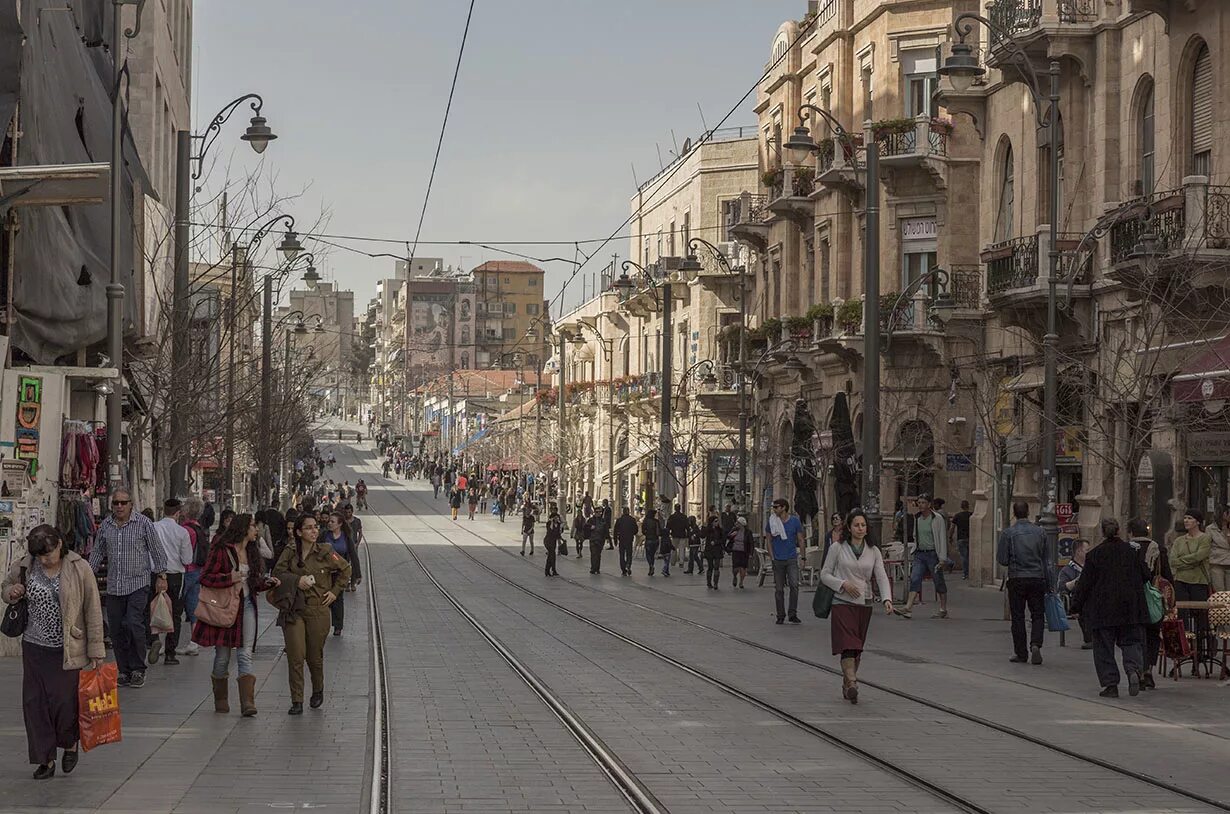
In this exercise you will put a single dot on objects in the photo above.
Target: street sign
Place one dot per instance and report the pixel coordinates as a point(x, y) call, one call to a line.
point(958, 462)
point(679, 460)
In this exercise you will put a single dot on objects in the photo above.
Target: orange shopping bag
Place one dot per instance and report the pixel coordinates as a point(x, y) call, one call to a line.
point(98, 701)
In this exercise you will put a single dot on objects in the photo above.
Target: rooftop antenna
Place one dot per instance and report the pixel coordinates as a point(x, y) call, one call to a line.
point(635, 180)
point(661, 163)
point(676, 143)
point(703, 123)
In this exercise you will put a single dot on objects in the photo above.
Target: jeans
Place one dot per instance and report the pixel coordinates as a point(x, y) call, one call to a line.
point(1128, 638)
point(786, 572)
point(666, 561)
point(651, 553)
point(126, 621)
point(625, 557)
point(243, 655)
point(337, 612)
point(963, 547)
point(694, 559)
point(926, 562)
point(595, 555)
point(192, 594)
point(677, 544)
point(1031, 592)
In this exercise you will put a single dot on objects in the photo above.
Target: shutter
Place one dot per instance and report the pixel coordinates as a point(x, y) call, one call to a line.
point(1202, 103)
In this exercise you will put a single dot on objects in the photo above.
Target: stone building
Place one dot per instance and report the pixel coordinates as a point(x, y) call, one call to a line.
point(1142, 227)
point(511, 309)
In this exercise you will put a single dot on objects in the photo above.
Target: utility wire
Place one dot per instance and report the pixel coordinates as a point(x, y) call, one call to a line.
point(443, 127)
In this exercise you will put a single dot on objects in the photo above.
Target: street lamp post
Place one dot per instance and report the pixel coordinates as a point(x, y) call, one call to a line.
point(692, 264)
point(800, 145)
point(962, 67)
point(258, 135)
point(608, 346)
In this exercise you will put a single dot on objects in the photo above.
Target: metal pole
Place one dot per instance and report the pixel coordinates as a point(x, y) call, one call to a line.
point(743, 487)
point(283, 462)
point(871, 329)
point(1050, 343)
point(666, 443)
point(115, 288)
point(179, 307)
point(610, 419)
point(263, 445)
point(563, 445)
point(229, 488)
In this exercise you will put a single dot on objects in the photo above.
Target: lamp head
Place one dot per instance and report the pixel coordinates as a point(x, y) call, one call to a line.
point(623, 283)
point(1147, 247)
point(691, 265)
point(942, 306)
point(800, 145)
point(311, 277)
point(962, 67)
point(258, 134)
point(300, 327)
point(290, 247)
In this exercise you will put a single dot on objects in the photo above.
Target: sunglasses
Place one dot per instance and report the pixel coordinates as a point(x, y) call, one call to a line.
point(120, 502)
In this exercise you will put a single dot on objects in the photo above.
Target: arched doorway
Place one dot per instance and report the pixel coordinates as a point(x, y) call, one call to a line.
point(912, 460)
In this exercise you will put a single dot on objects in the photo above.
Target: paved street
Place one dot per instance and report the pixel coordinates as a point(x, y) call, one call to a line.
point(467, 734)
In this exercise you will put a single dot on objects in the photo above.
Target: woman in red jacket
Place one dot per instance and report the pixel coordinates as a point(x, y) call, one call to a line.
point(234, 560)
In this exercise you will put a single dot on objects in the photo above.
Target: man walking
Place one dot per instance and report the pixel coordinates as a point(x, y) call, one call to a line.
point(597, 532)
point(1022, 549)
point(127, 543)
point(960, 532)
point(677, 529)
point(1111, 597)
point(1157, 563)
point(177, 545)
point(784, 533)
point(930, 551)
point(625, 536)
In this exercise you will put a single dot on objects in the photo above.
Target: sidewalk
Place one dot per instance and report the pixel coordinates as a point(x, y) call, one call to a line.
point(179, 756)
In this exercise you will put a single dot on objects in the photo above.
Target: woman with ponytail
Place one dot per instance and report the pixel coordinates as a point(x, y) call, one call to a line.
point(321, 575)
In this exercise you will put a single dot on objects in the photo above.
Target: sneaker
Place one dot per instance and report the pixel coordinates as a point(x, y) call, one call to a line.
point(1019, 659)
point(170, 659)
point(136, 680)
point(781, 620)
point(1134, 684)
point(1035, 655)
point(193, 649)
point(155, 651)
point(123, 679)
point(940, 614)
point(795, 620)
point(1110, 692)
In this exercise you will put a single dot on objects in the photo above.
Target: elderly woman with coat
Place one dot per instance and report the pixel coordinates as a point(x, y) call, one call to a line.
point(63, 635)
point(1110, 597)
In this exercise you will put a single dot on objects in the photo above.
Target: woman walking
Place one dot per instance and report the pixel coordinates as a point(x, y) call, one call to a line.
point(528, 518)
point(715, 548)
point(234, 560)
point(473, 501)
point(835, 534)
point(340, 538)
point(653, 536)
point(739, 543)
point(322, 575)
point(848, 571)
point(63, 635)
point(553, 540)
point(454, 501)
point(1189, 560)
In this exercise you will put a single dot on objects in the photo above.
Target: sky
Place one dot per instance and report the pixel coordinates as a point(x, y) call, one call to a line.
point(557, 104)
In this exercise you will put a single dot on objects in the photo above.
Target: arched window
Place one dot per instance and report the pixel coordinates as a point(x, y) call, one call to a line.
point(1007, 196)
point(1044, 170)
point(1145, 136)
point(1200, 114)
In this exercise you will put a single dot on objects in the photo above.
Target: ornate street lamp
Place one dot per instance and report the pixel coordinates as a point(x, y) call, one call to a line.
point(962, 68)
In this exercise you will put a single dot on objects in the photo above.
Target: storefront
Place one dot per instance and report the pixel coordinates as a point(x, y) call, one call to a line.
point(1208, 471)
point(723, 471)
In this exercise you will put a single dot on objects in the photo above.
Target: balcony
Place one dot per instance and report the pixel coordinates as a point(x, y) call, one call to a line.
point(907, 146)
point(720, 396)
point(1190, 248)
point(1018, 277)
point(790, 194)
point(1043, 28)
point(837, 165)
point(749, 220)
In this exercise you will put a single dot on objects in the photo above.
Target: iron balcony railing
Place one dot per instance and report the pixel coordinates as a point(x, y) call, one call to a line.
point(1016, 263)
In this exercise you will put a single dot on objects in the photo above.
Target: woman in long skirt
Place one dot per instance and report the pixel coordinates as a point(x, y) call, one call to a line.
point(63, 636)
point(848, 570)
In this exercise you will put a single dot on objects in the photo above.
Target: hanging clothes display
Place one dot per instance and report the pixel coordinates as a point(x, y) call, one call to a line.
point(80, 457)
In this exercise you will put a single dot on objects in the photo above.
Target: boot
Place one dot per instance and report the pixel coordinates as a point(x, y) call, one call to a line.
point(247, 695)
point(221, 694)
point(847, 680)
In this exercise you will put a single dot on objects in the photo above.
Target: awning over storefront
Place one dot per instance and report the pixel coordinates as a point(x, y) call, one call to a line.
point(473, 439)
point(1207, 376)
point(630, 461)
point(1031, 378)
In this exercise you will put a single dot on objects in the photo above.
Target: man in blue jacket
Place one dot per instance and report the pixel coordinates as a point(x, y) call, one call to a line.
point(1022, 549)
point(784, 535)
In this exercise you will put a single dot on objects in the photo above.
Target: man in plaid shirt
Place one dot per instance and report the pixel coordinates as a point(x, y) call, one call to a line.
point(126, 540)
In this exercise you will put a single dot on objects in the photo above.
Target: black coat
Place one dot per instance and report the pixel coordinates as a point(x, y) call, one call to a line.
point(1111, 590)
point(626, 528)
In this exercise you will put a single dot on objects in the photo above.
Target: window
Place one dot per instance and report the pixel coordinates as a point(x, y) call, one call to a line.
point(510, 308)
point(508, 281)
point(867, 95)
point(825, 291)
point(465, 335)
point(727, 212)
point(509, 334)
point(532, 309)
point(809, 269)
point(1144, 138)
point(533, 282)
point(465, 360)
point(1201, 114)
point(1044, 171)
point(1007, 196)
point(915, 265)
point(919, 69)
point(687, 230)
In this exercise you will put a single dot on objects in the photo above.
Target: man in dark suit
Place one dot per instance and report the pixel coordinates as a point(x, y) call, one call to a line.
point(1110, 596)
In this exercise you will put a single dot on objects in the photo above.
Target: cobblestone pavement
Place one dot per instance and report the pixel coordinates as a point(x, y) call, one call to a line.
point(468, 735)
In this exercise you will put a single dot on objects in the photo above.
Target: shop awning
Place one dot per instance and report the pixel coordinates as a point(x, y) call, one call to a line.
point(473, 439)
point(1031, 378)
point(1207, 376)
point(631, 460)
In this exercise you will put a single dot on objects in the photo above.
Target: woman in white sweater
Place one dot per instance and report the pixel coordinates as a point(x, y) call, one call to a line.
point(848, 570)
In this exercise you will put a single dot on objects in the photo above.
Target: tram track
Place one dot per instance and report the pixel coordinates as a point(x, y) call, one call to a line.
point(911, 779)
point(1087, 759)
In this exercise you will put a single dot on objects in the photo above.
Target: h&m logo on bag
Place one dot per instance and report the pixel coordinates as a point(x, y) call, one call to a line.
point(107, 702)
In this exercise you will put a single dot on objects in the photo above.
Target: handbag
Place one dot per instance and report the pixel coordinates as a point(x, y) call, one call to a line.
point(1056, 614)
point(1157, 605)
point(218, 607)
point(161, 617)
point(822, 601)
point(16, 615)
point(98, 704)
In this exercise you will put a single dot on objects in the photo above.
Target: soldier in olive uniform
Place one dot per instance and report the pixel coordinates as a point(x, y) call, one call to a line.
point(322, 575)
